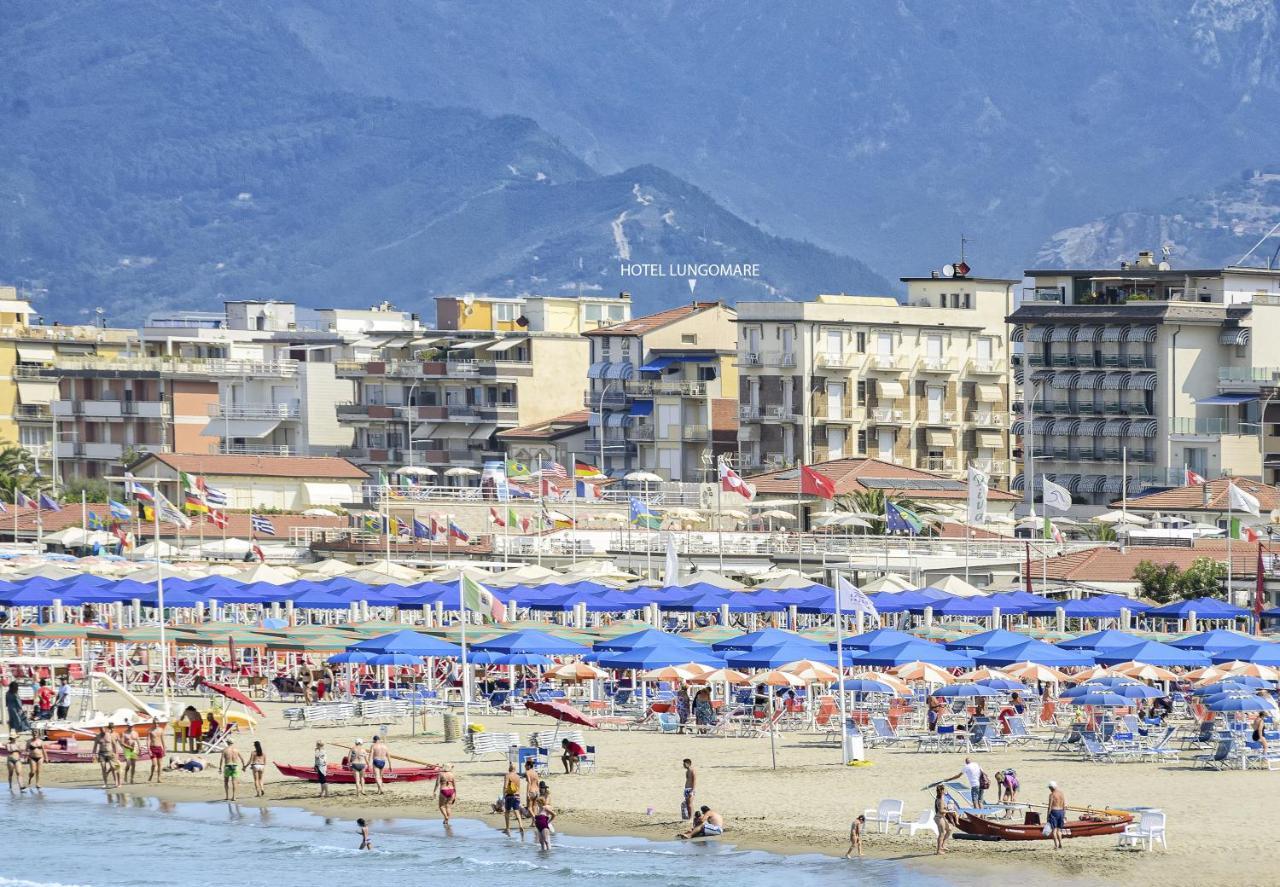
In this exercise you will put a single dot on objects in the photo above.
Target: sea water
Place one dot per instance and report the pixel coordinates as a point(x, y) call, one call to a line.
point(80, 837)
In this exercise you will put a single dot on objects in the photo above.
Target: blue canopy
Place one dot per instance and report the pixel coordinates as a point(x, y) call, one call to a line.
point(1136, 691)
point(1031, 650)
point(766, 637)
point(782, 654)
point(595, 602)
point(393, 659)
point(915, 651)
point(643, 637)
point(408, 641)
point(959, 691)
point(1244, 682)
point(1203, 607)
point(530, 641)
point(881, 637)
point(1105, 606)
point(1236, 703)
point(971, 606)
point(1213, 641)
point(520, 659)
point(1101, 640)
point(1152, 653)
point(987, 640)
point(1022, 598)
point(658, 656)
point(358, 657)
point(317, 599)
point(1258, 654)
point(902, 601)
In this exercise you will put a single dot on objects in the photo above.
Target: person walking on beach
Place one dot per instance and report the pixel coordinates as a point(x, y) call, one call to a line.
point(542, 815)
point(1057, 814)
point(447, 788)
point(357, 762)
point(62, 700)
point(381, 757)
point(13, 710)
point(690, 786)
point(231, 763)
point(257, 767)
point(855, 836)
point(156, 749)
point(511, 800)
point(978, 781)
point(322, 768)
point(365, 843)
point(35, 758)
point(13, 760)
point(129, 747)
point(532, 785)
point(941, 819)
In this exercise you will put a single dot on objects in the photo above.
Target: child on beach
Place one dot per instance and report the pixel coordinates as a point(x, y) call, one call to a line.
point(322, 768)
point(855, 836)
point(542, 817)
point(365, 843)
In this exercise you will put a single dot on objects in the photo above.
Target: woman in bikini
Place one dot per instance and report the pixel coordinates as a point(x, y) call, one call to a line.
point(155, 746)
point(13, 759)
point(258, 766)
point(357, 764)
point(447, 786)
point(129, 744)
point(35, 758)
point(378, 752)
point(542, 816)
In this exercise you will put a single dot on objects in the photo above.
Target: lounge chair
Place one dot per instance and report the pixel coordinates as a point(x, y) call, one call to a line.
point(987, 738)
point(1092, 749)
point(1256, 757)
point(1202, 738)
point(668, 722)
point(923, 823)
point(1017, 730)
point(1221, 757)
point(1147, 830)
point(882, 733)
point(587, 762)
point(1161, 749)
point(888, 811)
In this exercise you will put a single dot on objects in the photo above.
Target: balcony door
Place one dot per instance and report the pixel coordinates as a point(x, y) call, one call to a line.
point(884, 443)
point(934, 394)
point(835, 400)
point(835, 443)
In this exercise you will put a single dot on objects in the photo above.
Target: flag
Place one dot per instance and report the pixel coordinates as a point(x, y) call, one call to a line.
point(901, 520)
point(550, 489)
point(551, 468)
point(136, 490)
point(195, 503)
point(1239, 500)
point(171, 515)
point(1193, 478)
point(556, 520)
point(495, 518)
point(526, 523)
point(1051, 531)
point(421, 530)
point(1248, 534)
point(814, 484)
point(257, 551)
point(979, 485)
point(587, 490)
point(1054, 496)
point(22, 500)
point(478, 599)
point(214, 496)
point(512, 519)
point(671, 575)
point(3, 509)
point(515, 468)
point(260, 524)
point(191, 483)
point(730, 482)
point(585, 469)
point(458, 533)
point(641, 516)
point(217, 518)
point(851, 599)
point(125, 544)
point(48, 504)
point(119, 510)
point(95, 522)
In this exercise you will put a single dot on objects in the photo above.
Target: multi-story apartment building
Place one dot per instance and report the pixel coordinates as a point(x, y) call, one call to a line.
point(440, 398)
point(1148, 370)
point(658, 391)
point(923, 384)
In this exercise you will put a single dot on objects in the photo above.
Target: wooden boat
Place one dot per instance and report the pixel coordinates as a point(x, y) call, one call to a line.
point(82, 754)
point(344, 775)
point(85, 730)
point(1088, 825)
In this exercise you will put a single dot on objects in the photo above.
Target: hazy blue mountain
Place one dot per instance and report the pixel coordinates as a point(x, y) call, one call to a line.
point(1205, 230)
point(159, 155)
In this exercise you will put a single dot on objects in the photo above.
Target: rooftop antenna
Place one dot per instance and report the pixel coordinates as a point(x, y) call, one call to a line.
point(963, 241)
point(1271, 261)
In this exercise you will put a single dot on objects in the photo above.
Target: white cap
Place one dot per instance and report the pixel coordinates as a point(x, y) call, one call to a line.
point(1052, 784)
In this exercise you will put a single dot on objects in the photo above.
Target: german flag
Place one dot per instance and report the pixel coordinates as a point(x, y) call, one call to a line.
point(585, 469)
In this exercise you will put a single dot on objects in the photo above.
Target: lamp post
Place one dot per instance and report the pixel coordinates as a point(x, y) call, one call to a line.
point(600, 411)
point(408, 423)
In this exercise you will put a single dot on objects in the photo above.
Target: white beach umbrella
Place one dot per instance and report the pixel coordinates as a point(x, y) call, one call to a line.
point(460, 471)
point(643, 477)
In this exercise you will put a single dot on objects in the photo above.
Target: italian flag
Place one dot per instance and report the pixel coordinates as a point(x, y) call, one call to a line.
point(480, 599)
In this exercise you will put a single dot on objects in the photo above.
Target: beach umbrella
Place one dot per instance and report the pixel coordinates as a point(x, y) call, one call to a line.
point(411, 642)
point(1031, 650)
point(1090, 673)
point(520, 658)
point(722, 676)
point(1101, 640)
point(983, 674)
point(1034, 671)
point(987, 640)
point(881, 637)
point(767, 637)
point(868, 686)
point(1252, 670)
point(1236, 703)
point(530, 641)
point(924, 672)
point(1257, 653)
point(1203, 607)
point(965, 691)
point(812, 672)
point(351, 657)
point(1247, 682)
point(669, 673)
point(778, 656)
point(1102, 699)
point(394, 659)
point(915, 651)
point(560, 711)
point(1207, 674)
point(657, 656)
point(1214, 641)
point(233, 694)
point(1009, 685)
point(777, 678)
point(972, 606)
point(1136, 691)
point(575, 672)
point(1144, 672)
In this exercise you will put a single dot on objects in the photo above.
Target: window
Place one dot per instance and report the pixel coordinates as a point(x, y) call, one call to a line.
point(605, 345)
point(688, 338)
point(862, 442)
point(862, 392)
point(706, 374)
point(966, 300)
point(861, 342)
point(593, 312)
point(505, 311)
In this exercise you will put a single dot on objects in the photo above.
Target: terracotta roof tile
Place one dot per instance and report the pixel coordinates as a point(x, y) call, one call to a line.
point(1116, 565)
point(1192, 497)
point(845, 474)
point(549, 428)
point(314, 467)
point(638, 326)
point(237, 522)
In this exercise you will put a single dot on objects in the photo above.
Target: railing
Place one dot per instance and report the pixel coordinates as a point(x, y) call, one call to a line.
point(686, 389)
point(937, 365)
point(779, 413)
point(614, 398)
point(778, 358)
point(749, 412)
point(643, 430)
point(886, 362)
point(255, 449)
point(944, 417)
point(187, 366)
point(668, 494)
point(695, 432)
point(1263, 376)
point(1188, 425)
point(983, 366)
point(33, 411)
point(749, 358)
point(838, 360)
point(254, 411)
point(997, 467)
point(886, 414)
point(939, 463)
point(988, 419)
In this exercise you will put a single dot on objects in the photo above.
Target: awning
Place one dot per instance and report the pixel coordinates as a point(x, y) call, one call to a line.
point(1218, 400)
point(624, 370)
point(1142, 428)
point(426, 341)
point(937, 437)
point(36, 354)
point(616, 420)
point(661, 362)
point(472, 345)
point(1088, 333)
point(252, 429)
point(1140, 334)
point(507, 344)
point(1041, 424)
point(1115, 428)
point(891, 390)
point(1064, 426)
point(1141, 382)
point(483, 431)
point(37, 392)
point(1018, 483)
point(1113, 334)
point(1062, 334)
point(1093, 483)
point(989, 440)
point(596, 370)
point(1019, 333)
point(1017, 427)
point(326, 494)
point(1090, 427)
point(1089, 380)
point(1064, 379)
point(441, 431)
point(1036, 333)
point(642, 407)
point(1113, 382)
point(1070, 481)
point(1235, 337)
point(658, 364)
point(988, 393)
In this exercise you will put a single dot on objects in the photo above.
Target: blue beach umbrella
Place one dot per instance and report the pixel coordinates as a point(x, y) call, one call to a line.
point(1032, 650)
point(1102, 699)
point(1136, 691)
point(393, 659)
point(965, 691)
point(1203, 607)
point(987, 640)
point(1101, 640)
point(521, 659)
point(881, 637)
point(531, 640)
point(409, 642)
point(867, 686)
point(1236, 703)
point(658, 656)
point(1152, 653)
point(915, 651)
point(767, 637)
point(1258, 654)
point(775, 657)
point(1210, 642)
point(356, 657)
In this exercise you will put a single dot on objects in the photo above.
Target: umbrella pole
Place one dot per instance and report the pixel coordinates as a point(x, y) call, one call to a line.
point(773, 750)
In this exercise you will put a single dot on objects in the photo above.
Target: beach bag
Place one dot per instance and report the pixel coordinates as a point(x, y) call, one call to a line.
point(983, 782)
point(1047, 830)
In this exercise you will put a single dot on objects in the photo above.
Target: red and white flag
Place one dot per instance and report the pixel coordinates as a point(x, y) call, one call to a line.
point(814, 484)
point(217, 518)
point(1193, 479)
point(496, 518)
point(731, 482)
point(262, 558)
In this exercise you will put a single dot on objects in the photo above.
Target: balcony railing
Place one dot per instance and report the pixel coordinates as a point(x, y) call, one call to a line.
point(888, 415)
point(167, 366)
point(685, 389)
point(778, 358)
point(695, 432)
point(886, 362)
point(779, 413)
point(984, 367)
point(1210, 427)
point(1249, 376)
point(749, 412)
point(939, 463)
point(937, 365)
point(997, 467)
point(988, 419)
point(943, 417)
point(256, 449)
point(838, 360)
point(749, 359)
point(254, 411)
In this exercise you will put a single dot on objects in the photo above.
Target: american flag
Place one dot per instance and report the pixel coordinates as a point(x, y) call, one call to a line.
point(552, 469)
point(260, 524)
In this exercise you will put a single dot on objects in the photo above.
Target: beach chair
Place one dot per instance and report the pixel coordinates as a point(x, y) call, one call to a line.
point(1161, 749)
point(550, 739)
point(499, 701)
point(887, 812)
point(1018, 732)
point(1202, 738)
point(587, 762)
point(1255, 757)
point(922, 823)
point(541, 760)
point(295, 718)
point(1146, 831)
point(668, 722)
point(988, 739)
point(1092, 749)
point(1221, 757)
point(882, 733)
point(480, 745)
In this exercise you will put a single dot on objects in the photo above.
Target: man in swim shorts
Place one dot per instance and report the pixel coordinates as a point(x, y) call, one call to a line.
point(711, 825)
point(511, 800)
point(690, 785)
point(1057, 814)
point(231, 763)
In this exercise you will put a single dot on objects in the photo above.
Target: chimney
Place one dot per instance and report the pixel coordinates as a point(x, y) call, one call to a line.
point(1204, 495)
point(1146, 259)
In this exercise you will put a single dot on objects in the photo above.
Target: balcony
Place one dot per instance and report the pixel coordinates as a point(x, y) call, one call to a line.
point(837, 360)
point(254, 411)
point(679, 389)
point(376, 454)
point(1248, 378)
point(85, 450)
point(783, 359)
point(32, 411)
point(886, 363)
point(988, 419)
point(451, 457)
point(695, 432)
point(163, 367)
point(643, 430)
point(939, 463)
point(888, 416)
point(994, 467)
point(979, 366)
point(778, 413)
point(110, 409)
point(614, 398)
point(749, 433)
point(749, 412)
point(230, 449)
point(1186, 426)
point(749, 359)
point(937, 365)
point(612, 444)
point(942, 417)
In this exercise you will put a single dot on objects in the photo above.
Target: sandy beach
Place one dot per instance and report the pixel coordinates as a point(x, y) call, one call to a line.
point(1217, 831)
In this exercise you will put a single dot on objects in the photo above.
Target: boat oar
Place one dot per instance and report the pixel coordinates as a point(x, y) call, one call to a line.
point(395, 756)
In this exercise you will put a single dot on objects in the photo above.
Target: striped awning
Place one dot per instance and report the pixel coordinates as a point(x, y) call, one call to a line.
point(1062, 333)
point(940, 437)
point(1070, 481)
point(1115, 428)
point(1113, 382)
point(1113, 484)
point(988, 440)
point(1018, 334)
point(1088, 333)
point(1239, 336)
point(1090, 427)
point(1017, 427)
point(1093, 483)
point(1037, 333)
point(1064, 426)
point(1089, 380)
point(1065, 379)
point(1019, 376)
point(1113, 334)
point(1018, 482)
point(1142, 428)
point(1140, 334)
point(1041, 424)
point(1141, 382)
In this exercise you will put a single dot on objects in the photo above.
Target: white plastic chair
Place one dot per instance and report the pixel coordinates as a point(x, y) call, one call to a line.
point(924, 823)
point(889, 810)
point(1146, 831)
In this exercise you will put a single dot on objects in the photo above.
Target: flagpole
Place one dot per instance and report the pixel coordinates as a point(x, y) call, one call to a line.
point(1231, 596)
point(84, 514)
point(573, 478)
point(386, 520)
point(542, 506)
point(800, 519)
point(844, 712)
point(462, 639)
point(164, 646)
point(720, 513)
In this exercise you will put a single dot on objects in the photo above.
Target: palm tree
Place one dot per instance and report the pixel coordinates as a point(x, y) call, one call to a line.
point(873, 502)
point(17, 472)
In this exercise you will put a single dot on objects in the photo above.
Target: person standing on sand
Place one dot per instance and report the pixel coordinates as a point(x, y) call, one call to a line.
point(1057, 814)
point(231, 763)
point(62, 700)
point(13, 759)
point(690, 786)
point(257, 767)
point(855, 836)
point(130, 745)
point(13, 709)
point(447, 788)
point(365, 843)
point(511, 800)
point(381, 757)
point(322, 768)
point(940, 818)
point(532, 785)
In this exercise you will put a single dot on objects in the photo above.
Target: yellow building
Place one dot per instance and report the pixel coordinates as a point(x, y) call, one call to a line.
point(545, 314)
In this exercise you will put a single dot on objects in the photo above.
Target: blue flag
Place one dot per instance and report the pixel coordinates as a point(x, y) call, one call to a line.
point(48, 504)
point(901, 520)
point(420, 530)
point(119, 511)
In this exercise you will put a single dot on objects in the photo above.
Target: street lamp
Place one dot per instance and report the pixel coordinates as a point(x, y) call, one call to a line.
point(408, 422)
point(600, 411)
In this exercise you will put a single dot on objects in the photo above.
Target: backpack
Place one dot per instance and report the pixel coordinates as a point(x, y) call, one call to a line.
point(983, 782)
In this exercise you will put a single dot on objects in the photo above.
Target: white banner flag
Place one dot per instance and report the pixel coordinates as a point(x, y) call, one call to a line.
point(1055, 495)
point(978, 485)
point(1239, 500)
point(672, 572)
point(850, 599)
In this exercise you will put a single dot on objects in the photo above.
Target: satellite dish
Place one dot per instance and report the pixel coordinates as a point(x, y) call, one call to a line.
point(1164, 266)
point(948, 270)
point(522, 321)
point(962, 268)
point(469, 299)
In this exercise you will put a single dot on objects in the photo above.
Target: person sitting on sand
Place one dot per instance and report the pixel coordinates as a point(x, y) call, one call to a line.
point(855, 836)
point(573, 753)
point(710, 825)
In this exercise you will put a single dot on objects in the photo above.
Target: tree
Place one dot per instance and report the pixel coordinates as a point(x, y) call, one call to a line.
point(95, 489)
point(1204, 578)
point(17, 472)
point(1102, 533)
point(1166, 583)
point(873, 502)
point(1158, 581)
